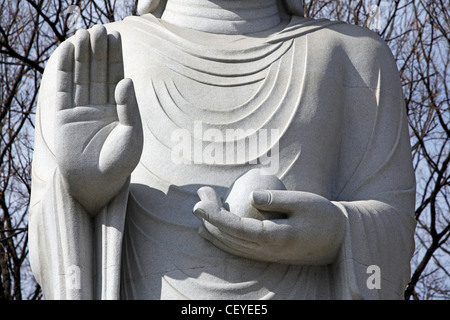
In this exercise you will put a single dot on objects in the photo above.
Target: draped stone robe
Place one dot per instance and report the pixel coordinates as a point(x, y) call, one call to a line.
point(333, 93)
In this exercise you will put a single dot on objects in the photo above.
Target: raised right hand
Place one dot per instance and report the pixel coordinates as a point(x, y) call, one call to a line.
point(98, 131)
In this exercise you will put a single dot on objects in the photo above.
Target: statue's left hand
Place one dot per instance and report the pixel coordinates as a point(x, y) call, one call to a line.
point(310, 233)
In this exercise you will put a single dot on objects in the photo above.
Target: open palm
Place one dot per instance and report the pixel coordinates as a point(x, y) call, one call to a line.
point(98, 133)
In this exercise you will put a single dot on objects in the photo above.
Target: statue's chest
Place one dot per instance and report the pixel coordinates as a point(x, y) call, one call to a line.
point(206, 121)
point(215, 84)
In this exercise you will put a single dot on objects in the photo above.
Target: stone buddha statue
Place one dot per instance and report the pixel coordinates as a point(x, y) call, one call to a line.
point(222, 149)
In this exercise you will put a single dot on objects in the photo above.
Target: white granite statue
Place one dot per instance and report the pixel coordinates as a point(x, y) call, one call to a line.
point(222, 149)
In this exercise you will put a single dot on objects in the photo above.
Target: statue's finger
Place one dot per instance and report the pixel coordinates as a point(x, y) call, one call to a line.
point(231, 240)
point(81, 67)
point(275, 200)
point(127, 107)
point(209, 194)
point(115, 64)
point(99, 66)
point(244, 228)
point(234, 247)
point(64, 76)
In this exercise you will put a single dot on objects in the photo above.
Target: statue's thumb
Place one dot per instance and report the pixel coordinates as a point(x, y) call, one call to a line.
point(127, 107)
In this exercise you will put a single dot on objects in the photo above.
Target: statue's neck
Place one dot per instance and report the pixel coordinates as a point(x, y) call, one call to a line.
point(223, 16)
